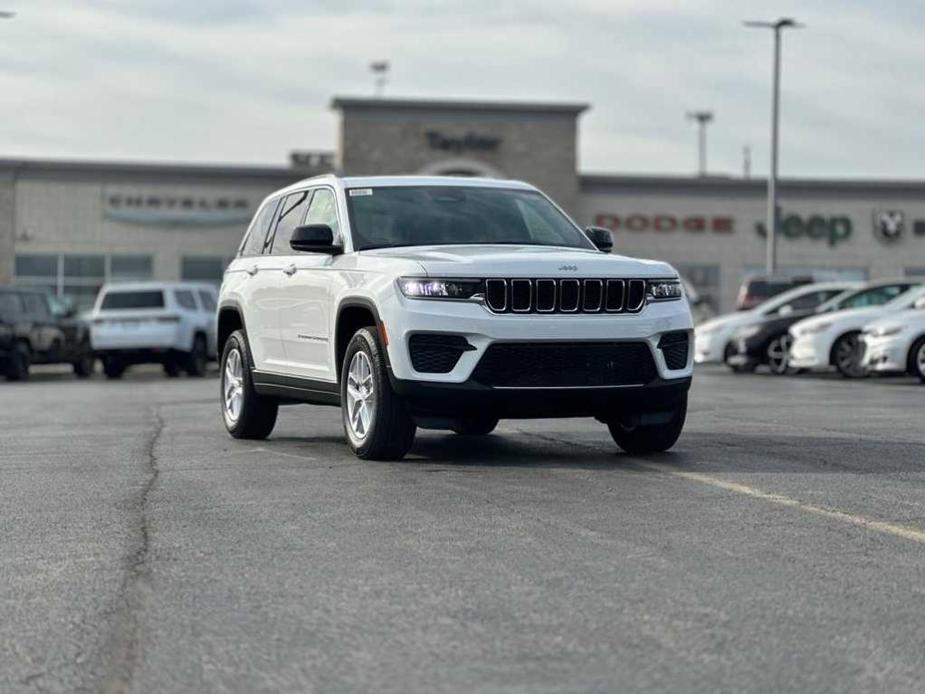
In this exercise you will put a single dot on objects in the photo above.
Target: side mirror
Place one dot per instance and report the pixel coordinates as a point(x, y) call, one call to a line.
point(600, 237)
point(314, 238)
point(919, 303)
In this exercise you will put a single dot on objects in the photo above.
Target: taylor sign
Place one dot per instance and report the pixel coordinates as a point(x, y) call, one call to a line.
point(665, 222)
point(168, 208)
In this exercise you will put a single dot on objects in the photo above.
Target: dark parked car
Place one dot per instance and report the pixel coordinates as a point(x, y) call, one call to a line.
point(756, 289)
point(37, 328)
point(768, 342)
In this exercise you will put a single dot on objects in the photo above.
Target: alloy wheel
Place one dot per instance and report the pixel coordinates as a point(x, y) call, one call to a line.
point(848, 356)
point(920, 359)
point(779, 354)
point(361, 396)
point(233, 385)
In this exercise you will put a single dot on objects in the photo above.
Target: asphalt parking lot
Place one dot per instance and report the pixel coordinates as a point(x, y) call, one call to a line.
point(780, 547)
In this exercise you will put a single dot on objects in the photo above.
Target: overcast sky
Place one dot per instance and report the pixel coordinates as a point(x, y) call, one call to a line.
point(246, 82)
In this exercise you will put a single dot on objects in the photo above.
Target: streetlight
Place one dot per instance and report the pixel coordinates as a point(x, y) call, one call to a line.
point(702, 118)
point(777, 26)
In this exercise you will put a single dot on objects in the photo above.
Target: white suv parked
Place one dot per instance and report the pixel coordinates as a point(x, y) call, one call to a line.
point(446, 303)
point(169, 323)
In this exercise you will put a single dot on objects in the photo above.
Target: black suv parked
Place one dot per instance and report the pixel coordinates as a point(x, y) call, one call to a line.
point(37, 328)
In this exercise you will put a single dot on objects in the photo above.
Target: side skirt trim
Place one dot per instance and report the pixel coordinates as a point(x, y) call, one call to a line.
point(296, 388)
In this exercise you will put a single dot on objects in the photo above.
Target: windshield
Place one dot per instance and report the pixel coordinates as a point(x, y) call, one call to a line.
point(125, 299)
point(436, 215)
point(906, 299)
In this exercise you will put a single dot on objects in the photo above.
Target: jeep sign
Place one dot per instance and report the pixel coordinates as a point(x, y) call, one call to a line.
point(815, 227)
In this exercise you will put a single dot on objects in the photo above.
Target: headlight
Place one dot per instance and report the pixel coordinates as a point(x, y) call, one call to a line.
point(428, 288)
point(885, 331)
point(811, 329)
point(663, 290)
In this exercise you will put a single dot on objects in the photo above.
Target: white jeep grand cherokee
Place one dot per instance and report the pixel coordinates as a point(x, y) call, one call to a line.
point(446, 303)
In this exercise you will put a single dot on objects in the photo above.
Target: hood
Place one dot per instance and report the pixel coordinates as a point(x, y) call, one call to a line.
point(729, 321)
point(911, 318)
point(848, 317)
point(523, 261)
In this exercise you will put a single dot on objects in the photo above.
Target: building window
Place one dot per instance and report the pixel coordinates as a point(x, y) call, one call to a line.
point(130, 267)
point(202, 268)
point(705, 279)
point(915, 272)
point(79, 277)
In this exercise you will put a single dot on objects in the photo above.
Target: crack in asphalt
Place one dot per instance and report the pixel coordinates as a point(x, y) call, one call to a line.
point(134, 594)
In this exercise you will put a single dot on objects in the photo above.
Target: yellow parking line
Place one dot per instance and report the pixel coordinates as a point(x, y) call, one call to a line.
point(902, 531)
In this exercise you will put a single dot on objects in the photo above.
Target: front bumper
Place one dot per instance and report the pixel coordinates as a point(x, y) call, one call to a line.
point(404, 318)
point(452, 400)
point(885, 354)
point(811, 351)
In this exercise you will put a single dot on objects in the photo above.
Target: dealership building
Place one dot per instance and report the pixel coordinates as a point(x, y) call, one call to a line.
point(70, 226)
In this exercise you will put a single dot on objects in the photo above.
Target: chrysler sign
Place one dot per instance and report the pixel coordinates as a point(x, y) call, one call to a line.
point(169, 208)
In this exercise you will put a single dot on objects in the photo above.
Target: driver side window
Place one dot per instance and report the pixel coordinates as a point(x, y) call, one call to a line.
point(323, 210)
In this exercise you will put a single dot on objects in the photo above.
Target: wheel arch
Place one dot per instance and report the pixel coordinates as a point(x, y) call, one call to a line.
point(916, 345)
point(230, 318)
point(352, 314)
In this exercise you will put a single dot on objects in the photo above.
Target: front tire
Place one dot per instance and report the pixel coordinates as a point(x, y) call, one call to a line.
point(475, 426)
point(376, 421)
point(846, 355)
point(650, 438)
point(778, 354)
point(20, 360)
point(917, 359)
point(113, 367)
point(246, 413)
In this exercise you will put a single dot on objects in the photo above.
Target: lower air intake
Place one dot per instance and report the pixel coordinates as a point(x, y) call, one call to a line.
point(565, 365)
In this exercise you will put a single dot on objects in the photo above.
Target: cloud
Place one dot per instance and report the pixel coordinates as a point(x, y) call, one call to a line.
point(247, 82)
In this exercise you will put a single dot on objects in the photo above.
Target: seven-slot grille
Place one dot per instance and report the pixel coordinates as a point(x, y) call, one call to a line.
point(522, 295)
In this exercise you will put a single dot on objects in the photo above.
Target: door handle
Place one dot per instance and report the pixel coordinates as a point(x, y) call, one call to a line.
point(290, 269)
point(252, 270)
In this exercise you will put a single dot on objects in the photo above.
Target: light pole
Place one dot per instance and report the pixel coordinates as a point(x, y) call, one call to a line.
point(777, 26)
point(380, 70)
point(702, 118)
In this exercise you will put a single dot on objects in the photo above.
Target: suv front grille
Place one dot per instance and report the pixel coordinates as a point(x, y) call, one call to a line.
point(565, 365)
point(520, 295)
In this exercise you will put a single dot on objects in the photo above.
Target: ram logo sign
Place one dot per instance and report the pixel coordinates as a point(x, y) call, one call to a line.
point(889, 225)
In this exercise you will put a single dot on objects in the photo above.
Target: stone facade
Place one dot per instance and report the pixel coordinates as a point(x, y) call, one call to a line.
point(532, 142)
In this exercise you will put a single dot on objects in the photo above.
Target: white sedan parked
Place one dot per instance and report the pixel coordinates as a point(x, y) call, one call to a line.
point(896, 343)
point(833, 339)
point(712, 338)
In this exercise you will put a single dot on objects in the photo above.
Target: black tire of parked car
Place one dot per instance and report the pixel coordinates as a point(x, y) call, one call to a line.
point(476, 425)
point(391, 433)
point(650, 438)
point(171, 369)
point(83, 365)
point(113, 367)
point(778, 355)
point(258, 412)
point(195, 363)
point(917, 359)
point(846, 355)
point(17, 368)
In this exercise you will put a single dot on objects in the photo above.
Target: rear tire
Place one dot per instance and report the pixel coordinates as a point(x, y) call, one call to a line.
point(171, 369)
point(917, 359)
point(377, 423)
point(196, 360)
point(476, 426)
point(778, 354)
point(83, 367)
point(246, 413)
point(20, 360)
point(113, 367)
point(846, 355)
point(650, 438)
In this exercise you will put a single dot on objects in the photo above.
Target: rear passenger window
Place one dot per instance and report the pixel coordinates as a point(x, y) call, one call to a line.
point(186, 299)
point(207, 301)
point(257, 234)
point(289, 219)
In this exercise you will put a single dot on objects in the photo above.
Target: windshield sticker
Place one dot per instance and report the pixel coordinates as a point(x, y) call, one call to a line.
point(360, 191)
